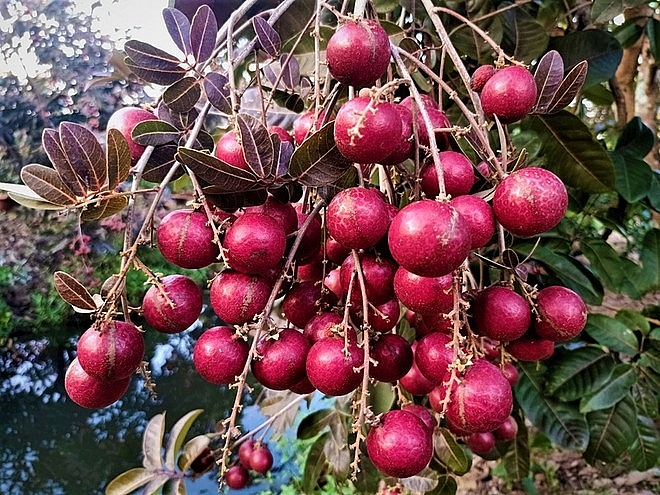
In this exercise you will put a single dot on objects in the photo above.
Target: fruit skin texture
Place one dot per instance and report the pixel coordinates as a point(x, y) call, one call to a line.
point(479, 216)
point(245, 451)
point(186, 296)
point(330, 370)
point(480, 76)
point(437, 117)
point(229, 150)
point(509, 94)
point(401, 445)
point(261, 458)
point(414, 382)
point(433, 356)
point(89, 392)
point(357, 217)
point(124, 120)
point(562, 314)
point(303, 301)
point(481, 443)
point(112, 352)
point(358, 53)
point(186, 240)
point(378, 275)
point(429, 238)
point(284, 213)
point(500, 313)
point(531, 347)
point(255, 243)
point(364, 129)
point(405, 145)
point(237, 477)
point(237, 298)
point(219, 355)
point(394, 356)
point(457, 172)
point(282, 362)
point(307, 124)
point(423, 413)
point(424, 295)
point(530, 201)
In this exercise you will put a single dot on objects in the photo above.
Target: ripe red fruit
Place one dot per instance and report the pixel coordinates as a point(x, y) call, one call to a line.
point(310, 244)
point(531, 347)
point(364, 129)
point(358, 53)
point(414, 382)
point(562, 314)
point(322, 325)
point(429, 238)
point(237, 477)
point(384, 317)
point(394, 356)
point(424, 295)
point(357, 217)
point(303, 387)
point(111, 352)
point(261, 458)
point(530, 201)
point(509, 94)
point(245, 451)
point(237, 298)
point(405, 145)
point(401, 445)
point(457, 172)
point(304, 300)
point(335, 252)
point(186, 240)
point(478, 215)
point(433, 356)
point(230, 150)
point(282, 361)
point(481, 443)
point(480, 76)
point(284, 135)
point(173, 307)
point(437, 117)
point(220, 354)
point(500, 313)
point(330, 370)
point(332, 281)
point(90, 392)
point(254, 243)
point(124, 120)
point(307, 124)
point(423, 413)
point(510, 372)
point(378, 275)
point(507, 430)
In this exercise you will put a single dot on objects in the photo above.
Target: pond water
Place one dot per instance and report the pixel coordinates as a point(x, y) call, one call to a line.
point(51, 446)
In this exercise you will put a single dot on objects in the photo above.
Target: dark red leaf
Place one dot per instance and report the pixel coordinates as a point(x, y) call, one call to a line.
point(154, 133)
point(183, 95)
point(178, 26)
point(203, 30)
point(163, 77)
point(104, 208)
point(160, 162)
point(290, 71)
point(73, 291)
point(85, 154)
point(549, 75)
point(269, 40)
point(150, 57)
point(53, 147)
point(118, 156)
point(569, 87)
point(283, 154)
point(215, 87)
point(47, 183)
point(257, 145)
point(216, 172)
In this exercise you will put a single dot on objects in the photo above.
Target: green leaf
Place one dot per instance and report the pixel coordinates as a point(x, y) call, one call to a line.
point(634, 177)
point(650, 258)
point(561, 422)
point(600, 48)
point(654, 192)
point(118, 157)
point(183, 95)
point(618, 273)
point(315, 423)
point(129, 481)
point(25, 196)
point(575, 373)
point(571, 151)
point(645, 449)
point(523, 36)
point(447, 485)
point(154, 133)
point(629, 32)
point(617, 387)
point(315, 465)
point(517, 460)
point(653, 31)
point(381, 397)
point(612, 334)
point(636, 139)
point(152, 442)
point(635, 320)
point(646, 398)
point(177, 436)
point(605, 10)
point(154, 486)
point(449, 453)
point(611, 431)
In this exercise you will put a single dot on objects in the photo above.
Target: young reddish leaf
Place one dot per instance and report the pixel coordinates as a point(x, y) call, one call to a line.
point(290, 71)
point(269, 40)
point(85, 155)
point(317, 161)
point(183, 95)
point(154, 133)
point(118, 156)
point(160, 162)
point(216, 172)
point(215, 87)
point(257, 145)
point(549, 75)
point(569, 87)
point(73, 291)
point(47, 183)
point(53, 147)
point(203, 30)
point(161, 76)
point(104, 208)
point(231, 201)
point(150, 57)
point(178, 26)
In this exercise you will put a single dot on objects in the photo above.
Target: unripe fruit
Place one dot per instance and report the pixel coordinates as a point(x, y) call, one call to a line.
point(229, 150)
point(562, 314)
point(480, 76)
point(330, 370)
point(531, 347)
point(237, 298)
point(237, 477)
point(509, 94)
point(261, 458)
point(220, 354)
point(364, 129)
point(282, 361)
point(457, 171)
point(254, 243)
point(500, 313)
point(357, 217)
point(394, 356)
point(124, 120)
point(186, 240)
point(478, 215)
point(111, 352)
point(433, 356)
point(174, 306)
point(378, 273)
point(424, 295)
point(90, 392)
point(358, 53)
point(401, 445)
point(437, 118)
point(481, 443)
point(429, 238)
point(304, 300)
point(530, 201)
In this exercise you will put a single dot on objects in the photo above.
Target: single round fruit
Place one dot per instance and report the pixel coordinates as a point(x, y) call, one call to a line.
point(510, 372)
point(357, 217)
point(307, 124)
point(562, 314)
point(111, 352)
point(220, 354)
point(429, 238)
point(500, 313)
point(330, 370)
point(530, 347)
point(254, 243)
point(481, 443)
point(437, 118)
point(237, 477)
point(457, 171)
point(261, 458)
point(245, 451)
point(422, 413)
point(322, 325)
point(384, 317)
point(282, 361)
point(284, 213)
point(124, 120)
point(364, 129)
point(237, 298)
point(509, 94)
point(174, 305)
point(405, 145)
point(186, 240)
point(394, 356)
point(507, 430)
point(230, 150)
point(478, 215)
point(424, 295)
point(304, 300)
point(303, 387)
point(335, 251)
point(480, 76)
point(284, 135)
point(414, 382)
point(433, 356)
point(530, 201)
point(401, 445)
point(358, 53)
point(90, 392)
point(378, 273)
